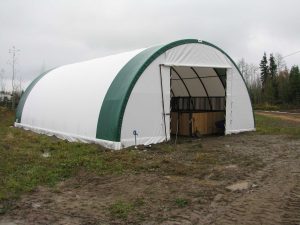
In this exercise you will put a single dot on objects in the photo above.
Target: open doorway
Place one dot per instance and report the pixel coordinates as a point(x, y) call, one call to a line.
point(198, 100)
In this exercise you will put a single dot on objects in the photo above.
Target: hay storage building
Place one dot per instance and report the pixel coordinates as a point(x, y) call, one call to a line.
point(189, 87)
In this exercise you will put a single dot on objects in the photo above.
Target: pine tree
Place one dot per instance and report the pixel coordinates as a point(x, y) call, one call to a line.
point(294, 82)
point(264, 71)
point(272, 67)
point(273, 78)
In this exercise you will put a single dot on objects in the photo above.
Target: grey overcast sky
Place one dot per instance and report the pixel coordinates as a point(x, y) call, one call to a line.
point(51, 33)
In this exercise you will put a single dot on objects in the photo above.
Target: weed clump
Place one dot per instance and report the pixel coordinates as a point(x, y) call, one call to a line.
point(121, 209)
point(181, 202)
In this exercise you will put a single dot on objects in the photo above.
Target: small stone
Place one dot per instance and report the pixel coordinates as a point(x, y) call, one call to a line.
point(240, 186)
point(231, 166)
point(46, 154)
point(36, 205)
point(213, 204)
point(218, 197)
point(227, 146)
point(254, 185)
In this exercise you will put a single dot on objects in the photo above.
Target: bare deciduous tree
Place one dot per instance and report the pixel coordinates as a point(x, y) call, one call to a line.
point(250, 72)
point(281, 65)
point(2, 81)
point(18, 85)
point(13, 51)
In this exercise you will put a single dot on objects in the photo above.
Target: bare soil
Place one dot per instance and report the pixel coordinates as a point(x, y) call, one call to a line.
point(255, 180)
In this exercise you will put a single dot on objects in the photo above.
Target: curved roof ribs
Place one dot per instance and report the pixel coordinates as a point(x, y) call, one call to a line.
point(203, 87)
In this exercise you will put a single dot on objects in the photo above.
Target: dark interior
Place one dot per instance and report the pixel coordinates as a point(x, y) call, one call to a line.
point(198, 101)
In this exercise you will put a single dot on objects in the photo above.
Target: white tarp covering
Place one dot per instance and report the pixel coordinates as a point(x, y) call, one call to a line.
point(239, 114)
point(67, 101)
point(144, 111)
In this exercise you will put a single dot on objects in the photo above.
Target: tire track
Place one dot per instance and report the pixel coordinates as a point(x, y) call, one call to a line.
point(275, 201)
point(292, 207)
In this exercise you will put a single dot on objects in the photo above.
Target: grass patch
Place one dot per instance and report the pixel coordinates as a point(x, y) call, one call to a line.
point(266, 106)
point(23, 166)
point(271, 125)
point(204, 157)
point(272, 107)
point(181, 202)
point(121, 209)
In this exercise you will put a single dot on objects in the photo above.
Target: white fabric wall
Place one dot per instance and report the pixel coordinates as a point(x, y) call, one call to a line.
point(239, 114)
point(144, 111)
point(68, 99)
point(196, 55)
point(77, 92)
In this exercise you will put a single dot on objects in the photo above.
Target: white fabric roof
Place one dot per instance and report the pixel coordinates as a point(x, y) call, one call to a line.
point(67, 100)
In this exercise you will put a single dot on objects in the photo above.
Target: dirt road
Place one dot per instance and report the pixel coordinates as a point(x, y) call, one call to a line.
point(266, 169)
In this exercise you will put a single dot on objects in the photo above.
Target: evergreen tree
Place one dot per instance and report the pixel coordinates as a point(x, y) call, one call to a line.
point(272, 67)
point(264, 71)
point(294, 81)
point(273, 78)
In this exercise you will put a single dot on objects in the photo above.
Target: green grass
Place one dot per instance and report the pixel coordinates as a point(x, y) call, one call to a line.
point(275, 107)
point(266, 106)
point(23, 167)
point(121, 209)
point(181, 202)
point(271, 125)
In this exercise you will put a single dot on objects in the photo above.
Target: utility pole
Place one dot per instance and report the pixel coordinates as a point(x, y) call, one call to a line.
point(13, 51)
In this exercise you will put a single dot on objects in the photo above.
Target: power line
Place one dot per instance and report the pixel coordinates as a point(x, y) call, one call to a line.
point(294, 53)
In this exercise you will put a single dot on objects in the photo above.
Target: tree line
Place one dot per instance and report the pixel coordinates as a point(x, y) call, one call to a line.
point(272, 83)
point(10, 97)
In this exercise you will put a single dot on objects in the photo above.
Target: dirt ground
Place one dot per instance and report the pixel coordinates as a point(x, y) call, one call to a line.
point(257, 181)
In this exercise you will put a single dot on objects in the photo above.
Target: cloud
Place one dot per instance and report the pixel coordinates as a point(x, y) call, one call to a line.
point(51, 33)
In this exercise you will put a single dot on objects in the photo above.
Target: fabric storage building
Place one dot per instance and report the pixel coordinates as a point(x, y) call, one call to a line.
point(187, 87)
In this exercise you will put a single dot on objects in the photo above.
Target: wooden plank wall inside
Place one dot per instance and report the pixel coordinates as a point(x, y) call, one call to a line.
point(203, 123)
point(183, 123)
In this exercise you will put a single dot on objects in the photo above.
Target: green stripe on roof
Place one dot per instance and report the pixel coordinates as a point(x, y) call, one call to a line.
point(113, 107)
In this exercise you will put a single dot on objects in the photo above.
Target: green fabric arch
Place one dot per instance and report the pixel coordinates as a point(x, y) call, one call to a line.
point(113, 107)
